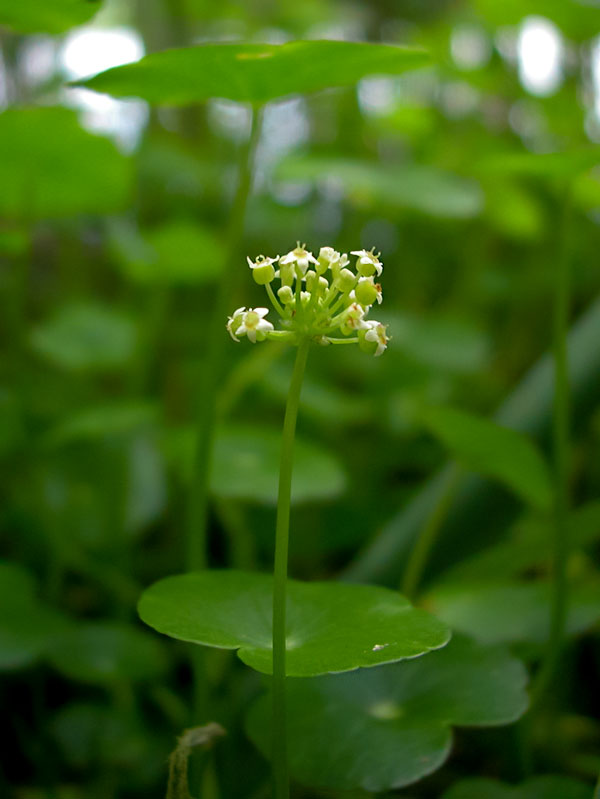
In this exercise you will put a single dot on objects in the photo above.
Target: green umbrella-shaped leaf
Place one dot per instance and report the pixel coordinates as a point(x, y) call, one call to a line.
point(102, 652)
point(331, 627)
point(510, 612)
point(425, 189)
point(253, 73)
point(39, 16)
point(387, 727)
point(494, 451)
point(26, 626)
point(86, 337)
point(51, 168)
point(546, 787)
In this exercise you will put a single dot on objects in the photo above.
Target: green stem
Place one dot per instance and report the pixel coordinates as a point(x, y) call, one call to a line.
point(282, 529)
point(427, 537)
point(560, 446)
point(216, 341)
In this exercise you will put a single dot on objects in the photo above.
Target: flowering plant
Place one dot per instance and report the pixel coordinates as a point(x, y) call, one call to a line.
point(319, 299)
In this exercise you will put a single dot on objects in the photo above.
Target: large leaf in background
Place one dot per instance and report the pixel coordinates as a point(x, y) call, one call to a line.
point(541, 165)
point(41, 16)
point(246, 465)
point(51, 167)
point(106, 652)
point(102, 421)
point(439, 342)
point(421, 188)
point(546, 787)
point(253, 73)
point(331, 627)
point(178, 252)
point(86, 336)
point(26, 625)
point(494, 451)
point(388, 727)
point(510, 612)
point(526, 548)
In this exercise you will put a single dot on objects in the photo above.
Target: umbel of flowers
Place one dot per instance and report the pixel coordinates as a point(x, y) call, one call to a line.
point(321, 299)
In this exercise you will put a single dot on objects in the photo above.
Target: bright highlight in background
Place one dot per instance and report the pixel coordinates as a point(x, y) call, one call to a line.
point(540, 52)
point(89, 50)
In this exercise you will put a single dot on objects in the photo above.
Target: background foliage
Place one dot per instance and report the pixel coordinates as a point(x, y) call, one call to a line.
point(113, 237)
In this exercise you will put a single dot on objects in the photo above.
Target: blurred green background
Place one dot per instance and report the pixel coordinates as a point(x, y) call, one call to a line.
point(113, 220)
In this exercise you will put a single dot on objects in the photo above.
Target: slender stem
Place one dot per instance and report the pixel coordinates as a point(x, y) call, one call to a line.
point(206, 400)
point(597, 790)
point(428, 535)
point(275, 302)
point(282, 529)
point(560, 446)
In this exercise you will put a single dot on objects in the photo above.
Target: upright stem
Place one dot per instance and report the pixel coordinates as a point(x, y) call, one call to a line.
point(216, 340)
point(282, 529)
point(560, 445)
point(427, 536)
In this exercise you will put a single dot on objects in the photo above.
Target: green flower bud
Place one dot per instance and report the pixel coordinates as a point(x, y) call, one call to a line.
point(287, 274)
point(286, 295)
point(366, 292)
point(263, 273)
point(346, 280)
point(310, 279)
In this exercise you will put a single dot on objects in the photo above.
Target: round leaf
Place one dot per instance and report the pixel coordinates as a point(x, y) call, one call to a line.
point(26, 626)
point(246, 466)
point(102, 652)
point(331, 627)
point(86, 337)
point(511, 612)
point(51, 167)
point(388, 727)
point(546, 787)
point(253, 73)
point(485, 447)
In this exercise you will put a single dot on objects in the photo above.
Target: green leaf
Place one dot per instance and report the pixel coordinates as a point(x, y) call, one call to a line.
point(177, 253)
point(105, 652)
point(541, 165)
point(253, 73)
point(388, 727)
point(494, 451)
point(420, 188)
point(331, 627)
point(39, 16)
point(546, 787)
point(86, 336)
point(102, 421)
point(26, 626)
point(511, 612)
point(51, 168)
point(246, 465)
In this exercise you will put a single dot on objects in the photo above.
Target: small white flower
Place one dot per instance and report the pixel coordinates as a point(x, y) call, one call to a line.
point(299, 256)
point(234, 322)
point(377, 334)
point(254, 324)
point(368, 263)
point(261, 261)
point(355, 317)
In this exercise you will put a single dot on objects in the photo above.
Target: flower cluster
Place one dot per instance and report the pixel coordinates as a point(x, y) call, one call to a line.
point(319, 298)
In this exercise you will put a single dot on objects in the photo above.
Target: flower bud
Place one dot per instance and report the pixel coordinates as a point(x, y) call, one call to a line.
point(287, 274)
point(370, 347)
point(263, 273)
point(310, 277)
point(286, 295)
point(366, 292)
point(346, 280)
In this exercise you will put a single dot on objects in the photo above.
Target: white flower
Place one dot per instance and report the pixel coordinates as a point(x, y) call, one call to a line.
point(300, 256)
point(254, 325)
point(354, 318)
point(234, 322)
point(368, 263)
point(377, 334)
